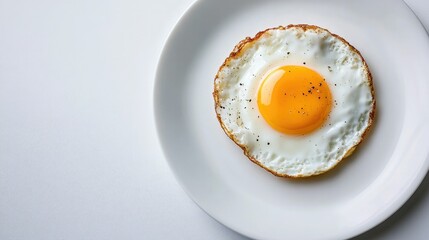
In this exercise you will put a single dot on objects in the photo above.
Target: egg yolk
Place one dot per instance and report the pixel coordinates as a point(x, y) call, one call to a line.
point(294, 100)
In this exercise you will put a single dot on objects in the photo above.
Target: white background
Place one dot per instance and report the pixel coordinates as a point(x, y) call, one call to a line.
point(79, 156)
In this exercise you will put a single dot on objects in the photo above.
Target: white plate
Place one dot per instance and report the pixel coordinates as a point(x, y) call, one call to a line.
point(365, 189)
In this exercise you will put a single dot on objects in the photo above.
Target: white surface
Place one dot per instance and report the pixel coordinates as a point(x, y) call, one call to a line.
point(251, 201)
point(64, 174)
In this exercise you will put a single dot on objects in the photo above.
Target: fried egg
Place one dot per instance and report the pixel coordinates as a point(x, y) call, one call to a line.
point(296, 99)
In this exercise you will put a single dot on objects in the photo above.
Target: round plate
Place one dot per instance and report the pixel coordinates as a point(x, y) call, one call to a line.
point(354, 197)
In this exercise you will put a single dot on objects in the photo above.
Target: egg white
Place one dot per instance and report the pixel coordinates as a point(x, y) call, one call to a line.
point(344, 70)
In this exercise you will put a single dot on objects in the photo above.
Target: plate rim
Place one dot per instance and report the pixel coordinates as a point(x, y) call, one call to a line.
point(385, 214)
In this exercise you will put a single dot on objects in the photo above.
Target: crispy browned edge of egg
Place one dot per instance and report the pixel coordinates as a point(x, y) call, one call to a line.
point(239, 49)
